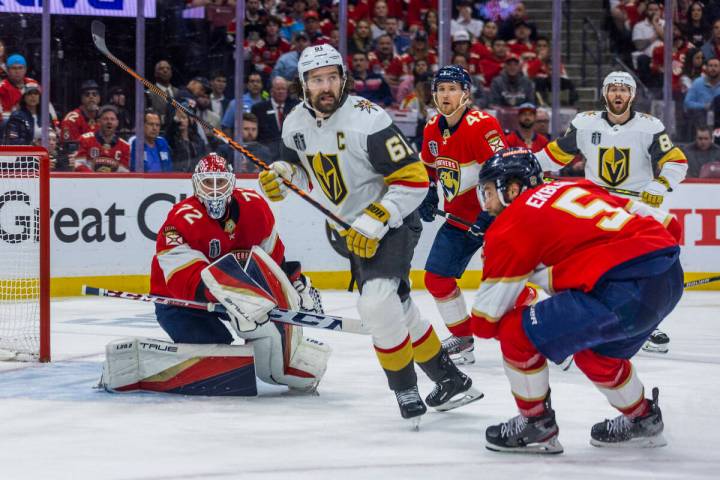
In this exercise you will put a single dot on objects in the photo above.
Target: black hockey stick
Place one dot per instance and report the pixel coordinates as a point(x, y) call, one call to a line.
point(452, 217)
point(620, 191)
point(277, 315)
point(701, 281)
point(98, 35)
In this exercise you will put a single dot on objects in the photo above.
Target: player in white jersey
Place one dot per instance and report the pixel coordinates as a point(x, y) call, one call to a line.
point(624, 149)
point(360, 167)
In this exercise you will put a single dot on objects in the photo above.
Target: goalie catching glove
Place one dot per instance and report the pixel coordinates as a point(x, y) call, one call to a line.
point(271, 180)
point(367, 230)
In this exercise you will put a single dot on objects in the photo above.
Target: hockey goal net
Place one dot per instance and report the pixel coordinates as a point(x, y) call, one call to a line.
point(24, 254)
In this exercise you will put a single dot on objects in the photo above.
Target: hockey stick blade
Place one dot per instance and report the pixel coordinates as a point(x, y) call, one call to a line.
point(98, 35)
point(277, 315)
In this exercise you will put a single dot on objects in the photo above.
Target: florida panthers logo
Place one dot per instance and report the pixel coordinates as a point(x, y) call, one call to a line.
point(326, 168)
point(448, 171)
point(614, 165)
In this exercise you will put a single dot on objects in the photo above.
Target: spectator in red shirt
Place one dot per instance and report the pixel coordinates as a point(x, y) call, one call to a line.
point(679, 50)
point(12, 88)
point(104, 150)
point(525, 136)
point(431, 25)
point(84, 118)
point(461, 46)
point(483, 46)
point(539, 70)
point(419, 50)
point(493, 65)
point(358, 10)
point(521, 44)
point(416, 9)
point(313, 28)
point(384, 62)
point(268, 49)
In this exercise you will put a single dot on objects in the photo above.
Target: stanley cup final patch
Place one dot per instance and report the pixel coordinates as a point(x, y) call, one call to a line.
point(433, 147)
point(299, 140)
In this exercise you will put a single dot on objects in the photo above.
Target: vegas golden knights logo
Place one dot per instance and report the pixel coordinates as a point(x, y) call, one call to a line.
point(326, 168)
point(614, 165)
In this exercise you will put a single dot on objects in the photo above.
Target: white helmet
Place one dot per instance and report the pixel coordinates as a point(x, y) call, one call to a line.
point(317, 56)
point(619, 78)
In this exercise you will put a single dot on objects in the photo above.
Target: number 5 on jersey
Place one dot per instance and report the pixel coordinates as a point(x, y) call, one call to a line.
point(613, 218)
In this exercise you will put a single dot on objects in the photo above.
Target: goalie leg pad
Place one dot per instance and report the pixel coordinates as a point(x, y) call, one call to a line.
point(133, 364)
point(284, 357)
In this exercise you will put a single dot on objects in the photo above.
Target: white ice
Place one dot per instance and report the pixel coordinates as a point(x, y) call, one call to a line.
point(54, 425)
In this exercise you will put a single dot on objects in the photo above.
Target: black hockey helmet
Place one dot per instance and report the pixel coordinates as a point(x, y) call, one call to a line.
point(518, 164)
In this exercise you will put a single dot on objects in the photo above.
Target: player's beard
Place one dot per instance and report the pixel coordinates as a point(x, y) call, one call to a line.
point(615, 110)
point(527, 124)
point(322, 102)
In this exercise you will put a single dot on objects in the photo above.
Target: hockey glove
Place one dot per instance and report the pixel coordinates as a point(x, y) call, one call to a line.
point(430, 204)
point(654, 192)
point(367, 230)
point(478, 229)
point(271, 180)
point(310, 300)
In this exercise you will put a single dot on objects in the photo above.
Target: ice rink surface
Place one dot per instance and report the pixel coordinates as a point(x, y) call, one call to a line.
point(55, 425)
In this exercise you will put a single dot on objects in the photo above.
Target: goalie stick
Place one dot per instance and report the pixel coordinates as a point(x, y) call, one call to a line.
point(98, 35)
point(278, 315)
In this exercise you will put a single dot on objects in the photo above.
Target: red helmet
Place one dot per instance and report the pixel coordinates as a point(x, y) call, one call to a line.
point(213, 183)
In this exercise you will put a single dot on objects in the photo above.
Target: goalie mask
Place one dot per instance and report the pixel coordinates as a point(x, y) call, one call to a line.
point(213, 184)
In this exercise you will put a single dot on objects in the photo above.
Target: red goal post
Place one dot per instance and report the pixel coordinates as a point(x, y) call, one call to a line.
point(24, 253)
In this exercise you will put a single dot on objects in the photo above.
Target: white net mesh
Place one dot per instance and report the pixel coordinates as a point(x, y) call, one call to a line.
point(19, 257)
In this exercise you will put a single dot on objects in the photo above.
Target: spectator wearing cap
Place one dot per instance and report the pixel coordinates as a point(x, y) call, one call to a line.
point(493, 64)
point(400, 41)
point(465, 21)
point(103, 150)
point(12, 88)
point(525, 136)
point(542, 123)
point(511, 88)
point(267, 50)
point(461, 46)
point(163, 79)
point(380, 15)
point(361, 39)
point(506, 28)
point(24, 125)
point(118, 99)
point(286, 66)
point(82, 119)
point(313, 29)
point(157, 156)
point(368, 84)
point(521, 46)
point(218, 84)
point(701, 151)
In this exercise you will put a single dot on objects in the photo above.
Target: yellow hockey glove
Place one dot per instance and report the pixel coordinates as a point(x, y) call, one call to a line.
point(367, 230)
point(654, 192)
point(271, 180)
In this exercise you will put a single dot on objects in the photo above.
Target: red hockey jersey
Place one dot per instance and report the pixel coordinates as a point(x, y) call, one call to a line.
point(453, 157)
point(190, 240)
point(75, 124)
point(562, 236)
point(95, 155)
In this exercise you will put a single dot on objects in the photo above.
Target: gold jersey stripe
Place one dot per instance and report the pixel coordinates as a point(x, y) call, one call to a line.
point(674, 155)
point(427, 347)
point(558, 154)
point(397, 359)
point(411, 173)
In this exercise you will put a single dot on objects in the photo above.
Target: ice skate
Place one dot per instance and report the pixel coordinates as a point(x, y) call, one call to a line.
point(624, 432)
point(453, 391)
point(411, 405)
point(526, 434)
point(460, 349)
point(659, 342)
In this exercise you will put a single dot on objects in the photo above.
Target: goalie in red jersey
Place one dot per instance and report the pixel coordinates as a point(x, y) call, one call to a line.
point(217, 220)
point(456, 142)
point(613, 271)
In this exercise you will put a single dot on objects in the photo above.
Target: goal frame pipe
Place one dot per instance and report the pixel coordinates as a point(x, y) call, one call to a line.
point(44, 226)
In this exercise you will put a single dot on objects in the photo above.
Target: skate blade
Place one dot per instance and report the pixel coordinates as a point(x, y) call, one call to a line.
point(567, 363)
point(468, 396)
point(651, 348)
point(642, 442)
point(549, 447)
point(414, 423)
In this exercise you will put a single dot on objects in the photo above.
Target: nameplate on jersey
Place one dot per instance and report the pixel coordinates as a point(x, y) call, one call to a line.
point(299, 140)
point(326, 167)
point(613, 165)
point(448, 172)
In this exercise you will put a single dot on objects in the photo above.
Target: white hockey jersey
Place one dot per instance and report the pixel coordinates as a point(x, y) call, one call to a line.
point(625, 156)
point(355, 157)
